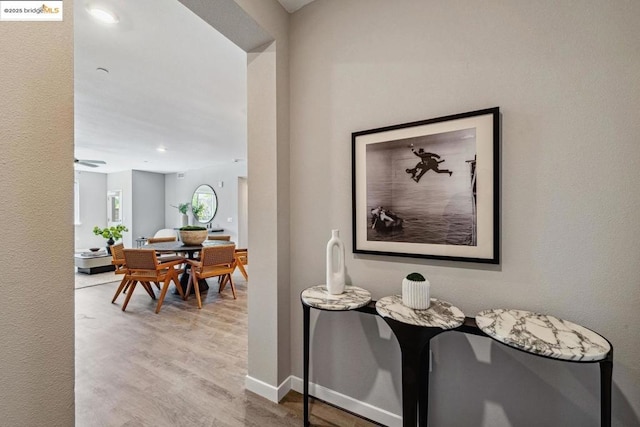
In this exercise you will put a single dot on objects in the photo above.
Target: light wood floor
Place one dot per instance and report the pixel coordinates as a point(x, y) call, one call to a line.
point(181, 367)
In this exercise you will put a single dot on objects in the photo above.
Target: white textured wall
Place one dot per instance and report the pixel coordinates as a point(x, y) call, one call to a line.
point(36, 183)
point(565, 76)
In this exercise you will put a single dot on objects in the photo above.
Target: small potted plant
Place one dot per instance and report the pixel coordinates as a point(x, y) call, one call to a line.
point(415, 292)
point(183, 208)
point(193, 235)
point(110, 233)
point(198, 211)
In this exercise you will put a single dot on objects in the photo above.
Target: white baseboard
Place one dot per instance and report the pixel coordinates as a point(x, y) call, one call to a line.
point(274, 394)
point(349, 403)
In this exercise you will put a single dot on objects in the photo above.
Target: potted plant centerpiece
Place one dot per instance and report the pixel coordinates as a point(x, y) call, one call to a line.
point(193, 235)
point(183, 208)
point(110, 233)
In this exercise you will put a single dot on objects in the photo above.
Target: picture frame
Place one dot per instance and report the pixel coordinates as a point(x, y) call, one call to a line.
point(429, 189)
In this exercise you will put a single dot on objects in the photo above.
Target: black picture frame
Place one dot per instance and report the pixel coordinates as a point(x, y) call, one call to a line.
point(429, 189)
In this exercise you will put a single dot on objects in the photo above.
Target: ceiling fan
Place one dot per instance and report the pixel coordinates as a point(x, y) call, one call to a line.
point(90, 163)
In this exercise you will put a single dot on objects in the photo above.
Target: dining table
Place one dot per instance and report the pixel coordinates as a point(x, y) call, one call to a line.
point(190, 251)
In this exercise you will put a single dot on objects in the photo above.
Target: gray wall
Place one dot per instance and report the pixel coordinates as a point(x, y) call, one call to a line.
point(257, 26)
point(93, 209)
point(268, 138)
point(36, 183)
point(243, 212)
point(181, 191)
point(148, 204)
point(142, 203)
point(123, 181)
point(566, 79)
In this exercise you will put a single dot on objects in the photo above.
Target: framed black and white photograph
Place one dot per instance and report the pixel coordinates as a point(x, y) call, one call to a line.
point(429, 189)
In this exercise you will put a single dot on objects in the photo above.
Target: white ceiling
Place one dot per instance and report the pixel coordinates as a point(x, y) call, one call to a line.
point(173, 82)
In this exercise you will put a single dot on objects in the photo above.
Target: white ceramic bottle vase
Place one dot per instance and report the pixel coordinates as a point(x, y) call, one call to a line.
point(335, 264)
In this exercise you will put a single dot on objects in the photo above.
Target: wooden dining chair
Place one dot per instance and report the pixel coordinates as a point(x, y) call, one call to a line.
point(214, 261)
point(161, 239)
point(117, 255)
point(226, 238)
point(117, 259)
point(241, 258)
point(143, 267)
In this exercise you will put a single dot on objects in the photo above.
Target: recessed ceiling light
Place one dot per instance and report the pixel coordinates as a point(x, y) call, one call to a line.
point(161, 149)
point(103, 15)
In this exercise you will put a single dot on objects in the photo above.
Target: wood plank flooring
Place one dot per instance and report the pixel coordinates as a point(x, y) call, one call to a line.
point(181, 367)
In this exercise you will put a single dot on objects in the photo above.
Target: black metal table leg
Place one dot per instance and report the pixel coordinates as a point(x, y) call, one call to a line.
point(410, 380)
point(305, 399)
point(606, 371)
point(423, 392)
point(414, 345)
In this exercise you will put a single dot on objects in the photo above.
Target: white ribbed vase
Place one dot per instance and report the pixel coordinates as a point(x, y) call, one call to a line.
point(416, 294)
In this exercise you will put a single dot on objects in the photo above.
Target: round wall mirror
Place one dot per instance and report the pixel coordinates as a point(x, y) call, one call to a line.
point(204, 203)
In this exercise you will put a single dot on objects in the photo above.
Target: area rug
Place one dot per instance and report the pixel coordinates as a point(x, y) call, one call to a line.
point(83, 280)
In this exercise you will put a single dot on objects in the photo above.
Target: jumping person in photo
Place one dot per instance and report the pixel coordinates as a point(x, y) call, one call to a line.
point(419, 167)
point(428, 161)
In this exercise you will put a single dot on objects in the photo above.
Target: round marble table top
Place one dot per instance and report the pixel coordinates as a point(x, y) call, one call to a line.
point(440, 314)
point(353, 297)
point(543, 335)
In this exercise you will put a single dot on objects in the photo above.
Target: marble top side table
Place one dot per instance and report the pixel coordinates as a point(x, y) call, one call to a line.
point(352, 298)
point(318, 297)
point(551, 337)
point(440, 314)
point(414, 330)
